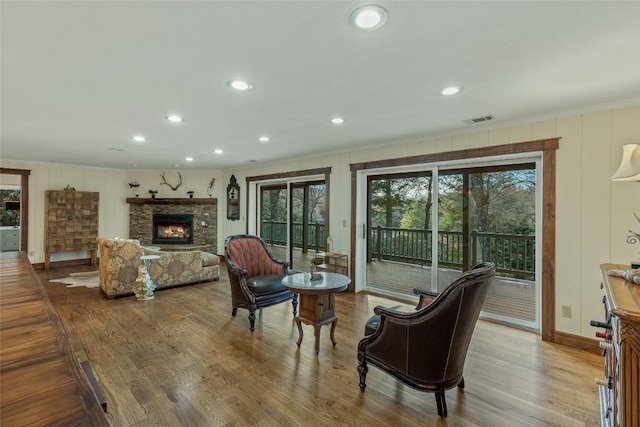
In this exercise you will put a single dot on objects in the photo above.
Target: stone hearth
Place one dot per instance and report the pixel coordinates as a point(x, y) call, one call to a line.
point(204, 211)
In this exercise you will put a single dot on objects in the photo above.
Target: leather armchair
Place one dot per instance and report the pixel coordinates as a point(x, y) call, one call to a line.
point(255, 276)
point(426, 348)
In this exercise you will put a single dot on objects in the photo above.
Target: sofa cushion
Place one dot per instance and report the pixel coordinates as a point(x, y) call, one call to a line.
point(266, 284)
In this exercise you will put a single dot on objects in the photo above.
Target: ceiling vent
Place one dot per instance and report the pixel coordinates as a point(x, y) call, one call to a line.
point(479, 119)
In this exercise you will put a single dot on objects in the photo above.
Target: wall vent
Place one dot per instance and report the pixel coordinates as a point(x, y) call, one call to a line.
point(479, 119)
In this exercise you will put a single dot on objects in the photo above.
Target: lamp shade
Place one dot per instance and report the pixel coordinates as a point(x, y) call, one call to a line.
point(629, 169)
point(12, 205)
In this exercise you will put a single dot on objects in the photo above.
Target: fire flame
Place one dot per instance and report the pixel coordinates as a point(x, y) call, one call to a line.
point(173, 232)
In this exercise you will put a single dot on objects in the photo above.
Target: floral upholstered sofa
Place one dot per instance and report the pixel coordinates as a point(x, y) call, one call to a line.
point(120, 258)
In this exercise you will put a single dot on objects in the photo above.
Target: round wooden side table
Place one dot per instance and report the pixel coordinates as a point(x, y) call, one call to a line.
point(317, 301)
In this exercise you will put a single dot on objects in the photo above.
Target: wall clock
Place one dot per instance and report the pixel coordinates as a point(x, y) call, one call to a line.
point(233, 199)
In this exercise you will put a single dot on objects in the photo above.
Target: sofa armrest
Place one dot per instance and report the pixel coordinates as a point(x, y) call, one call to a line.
point(209, 259)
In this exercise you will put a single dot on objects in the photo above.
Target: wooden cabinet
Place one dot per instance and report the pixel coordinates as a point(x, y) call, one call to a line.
point(9, 239)
point(620, 389)
point(334, 263)
point(71, 223)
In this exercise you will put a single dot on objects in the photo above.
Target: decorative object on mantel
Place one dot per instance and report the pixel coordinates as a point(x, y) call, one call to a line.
point(190, 193)
point(210, 187)
point(153, 193)
point(134, 188)
point(173, 187)
point(233, 199)
point(69, 188)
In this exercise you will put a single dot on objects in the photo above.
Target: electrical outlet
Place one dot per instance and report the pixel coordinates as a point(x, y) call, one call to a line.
point(344, 223)
point(566, 311)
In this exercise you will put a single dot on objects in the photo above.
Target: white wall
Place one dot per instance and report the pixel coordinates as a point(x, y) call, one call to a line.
point(113, 186)
point(593, 214)
point(592, 219)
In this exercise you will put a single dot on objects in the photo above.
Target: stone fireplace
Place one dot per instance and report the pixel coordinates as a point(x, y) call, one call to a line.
point(172, 216)
point(172, 229)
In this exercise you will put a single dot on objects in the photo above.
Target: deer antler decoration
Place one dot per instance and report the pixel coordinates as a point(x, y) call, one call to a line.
point(174, 188)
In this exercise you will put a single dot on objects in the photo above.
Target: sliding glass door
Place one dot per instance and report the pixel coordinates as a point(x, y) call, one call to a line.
point(292, 220)
point(399, 232)
point(481, 213)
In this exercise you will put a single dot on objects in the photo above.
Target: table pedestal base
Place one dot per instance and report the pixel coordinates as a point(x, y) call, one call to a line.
point(317, 310)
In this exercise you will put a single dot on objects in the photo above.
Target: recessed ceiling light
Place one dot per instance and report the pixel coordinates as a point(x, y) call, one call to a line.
point(264, 139)
point(174, 118)
point(337, 120)
point(451, 90)
point(188, 159)
point(134, 165)
point(139, 138)
point(239, 85)
point(369, 17)
point(116, 149)
point(217, 151)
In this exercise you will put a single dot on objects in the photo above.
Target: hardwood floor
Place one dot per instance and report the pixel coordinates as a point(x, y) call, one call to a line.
point(182, 360)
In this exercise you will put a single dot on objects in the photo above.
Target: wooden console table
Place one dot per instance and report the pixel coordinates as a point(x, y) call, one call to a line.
point(620, 389)
point(42, 383)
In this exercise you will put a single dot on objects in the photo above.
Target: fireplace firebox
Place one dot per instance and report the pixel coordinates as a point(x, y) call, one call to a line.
point(173, 229)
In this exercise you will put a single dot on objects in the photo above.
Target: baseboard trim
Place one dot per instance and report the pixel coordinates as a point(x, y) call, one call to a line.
point(578, 342)
point(66, 263)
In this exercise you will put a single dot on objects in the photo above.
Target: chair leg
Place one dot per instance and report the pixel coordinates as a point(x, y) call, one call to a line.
point(234, 311)
point(441, 402)
point(362, 370)
point(252, 318)
point(461, 385)
point(294, 302)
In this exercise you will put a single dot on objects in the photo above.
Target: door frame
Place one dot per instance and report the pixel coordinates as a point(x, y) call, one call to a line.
point(24, 205)
point(546, 148)
point(255, 182)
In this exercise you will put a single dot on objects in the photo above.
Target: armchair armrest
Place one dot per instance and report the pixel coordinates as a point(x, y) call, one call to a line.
point(426, 297)
point(236, 270)
point(420, 292)
point(393, 312)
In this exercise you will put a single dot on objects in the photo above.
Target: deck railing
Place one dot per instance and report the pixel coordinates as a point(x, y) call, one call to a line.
point(513, 254)
point(275, 233)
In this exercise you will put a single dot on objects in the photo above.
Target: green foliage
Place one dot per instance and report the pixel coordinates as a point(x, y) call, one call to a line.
point(391, 199)
point(6, 217)
point(414, 217)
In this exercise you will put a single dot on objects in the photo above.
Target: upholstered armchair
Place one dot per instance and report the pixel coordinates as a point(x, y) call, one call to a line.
point(120, 259)
point(255, 276)
point(426, 348)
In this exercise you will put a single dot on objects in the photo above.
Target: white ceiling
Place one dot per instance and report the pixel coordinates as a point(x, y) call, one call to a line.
point(80, 78)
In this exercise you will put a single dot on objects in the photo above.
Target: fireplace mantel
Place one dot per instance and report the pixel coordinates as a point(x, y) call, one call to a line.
point(168, 201)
